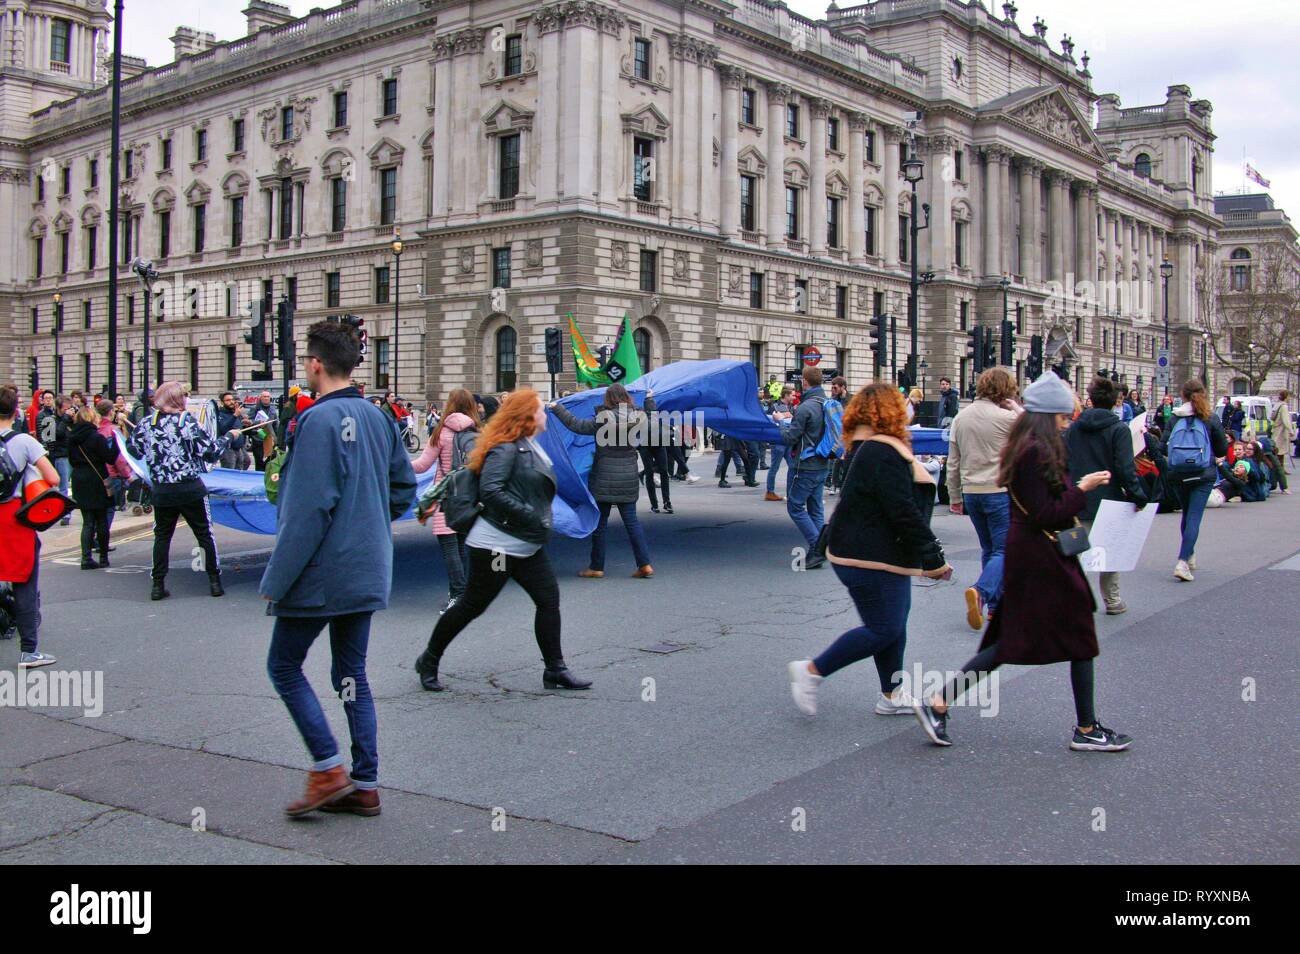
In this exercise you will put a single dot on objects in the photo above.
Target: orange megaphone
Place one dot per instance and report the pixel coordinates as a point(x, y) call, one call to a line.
point(44, 506)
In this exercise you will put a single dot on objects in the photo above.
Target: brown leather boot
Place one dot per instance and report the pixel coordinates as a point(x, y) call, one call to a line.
point(322, 788)
point(364, 801)
point(771, 496)
point(591, 574)
point(644, 573)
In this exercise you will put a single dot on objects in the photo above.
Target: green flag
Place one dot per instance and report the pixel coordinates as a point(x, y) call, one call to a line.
point(624, 366)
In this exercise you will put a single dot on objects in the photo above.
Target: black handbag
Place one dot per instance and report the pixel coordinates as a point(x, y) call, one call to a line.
point(1069, 543)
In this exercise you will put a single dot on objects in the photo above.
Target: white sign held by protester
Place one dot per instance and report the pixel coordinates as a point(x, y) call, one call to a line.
point(1136, 427)
point(1117, 536)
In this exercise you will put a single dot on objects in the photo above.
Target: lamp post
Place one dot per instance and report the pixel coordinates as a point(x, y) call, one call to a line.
point(1205, 350)
point(144, 270)
point(397, 299)
point(1004, 283)
point(1166, 273)
point(913, 172)
point(1251, 348)
point(58, 326)
point(114, 190)
point(1114, 345)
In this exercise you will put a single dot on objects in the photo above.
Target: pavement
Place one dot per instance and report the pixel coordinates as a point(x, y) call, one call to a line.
point(688, 748)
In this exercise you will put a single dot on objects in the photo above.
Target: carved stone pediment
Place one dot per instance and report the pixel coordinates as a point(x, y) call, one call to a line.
point(1053, 116)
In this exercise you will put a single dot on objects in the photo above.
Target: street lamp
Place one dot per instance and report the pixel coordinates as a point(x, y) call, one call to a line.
point(397, 298)
point(1004, 283)
point(1205, 351)
point(913, 172)
point(58, 326)
point(1251, 348)
point(144, 270)
point(1166, 273)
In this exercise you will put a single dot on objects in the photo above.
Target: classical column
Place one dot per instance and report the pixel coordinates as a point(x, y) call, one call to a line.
point(1093, 195)
point(1144, 267)
point(819, 109)
point(777, 95)
point(1056, 186)
point(684, 52)
point(733, 78)
point(857, 215)
point(580, 95)
point(1028, 224)
point(994, 157)
point(443, 124)
point(1126, 265)
point(941, 220)
point(893, 135)
point(709, 198)
point(1006, 229)
point(613, 160)
point(1081, 268)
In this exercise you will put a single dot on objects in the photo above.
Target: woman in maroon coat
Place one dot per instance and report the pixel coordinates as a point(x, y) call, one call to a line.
point(1047, 606)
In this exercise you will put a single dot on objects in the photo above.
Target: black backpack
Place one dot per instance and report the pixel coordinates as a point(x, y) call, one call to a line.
point(461, 445)
point(11, 477)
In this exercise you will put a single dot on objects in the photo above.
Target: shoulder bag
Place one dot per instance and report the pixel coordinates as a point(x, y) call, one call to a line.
point(1069, 543)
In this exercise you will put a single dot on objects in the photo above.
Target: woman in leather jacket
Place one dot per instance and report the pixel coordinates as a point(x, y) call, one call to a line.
point(515, 488)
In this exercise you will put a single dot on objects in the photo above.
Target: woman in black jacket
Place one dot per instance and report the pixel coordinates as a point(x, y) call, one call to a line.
point(879, 539)
point(90, 454)
point(515, 488)
point(613, 480)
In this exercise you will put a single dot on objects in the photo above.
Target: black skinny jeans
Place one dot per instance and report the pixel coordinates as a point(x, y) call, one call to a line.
point(195, 513)
point(452, 546)
point(655, 461)
point(486, 581)
point(983, 663)
point(94, 531)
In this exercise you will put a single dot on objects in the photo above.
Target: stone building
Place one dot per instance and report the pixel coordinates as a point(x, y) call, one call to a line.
point(728, 174)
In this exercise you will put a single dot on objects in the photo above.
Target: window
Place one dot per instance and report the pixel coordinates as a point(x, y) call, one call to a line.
point(60, 32)
point(85, 314)
point(801, 295)
point(338, 204)
point(958, 163)
point(125, 244)
point(286, 208)
point(92, 173)
point(128, 164)
point(792, 120)
point(268, 293)
point(390, 97)
point(963, 316)
point(1240, 273)
point(381, 362)
point(381, 285)
point(291, 289)
point(747, 107)
point(231, 366)
point(756, 289)
point(641, 341)
point(833, 134)
point(85, 373)
point(842, 307)
point(286, 123)
point(756, 356)
point(904, 229)
point(747, 211)
point(501, 267)
point(641, 59)
point(194, 368)
point(1196, 174)
point(200, 145)
point(38, 255)
point(65, 249)
point(959, 244)
point(642, 168)
point(869, 218)
point(333, 291)
point(1142, 165)
point(237, 221)
point(649, 270)
point(40, 187)
point(200, 226)
point(1020, 323)
point(878, 303)
point(164, 233)
point(36, 321)
point(387, 196)
point(165, 157)
point(65, 180)
point(160, 377)
point(871, 145)
point(514, 59)
point(507, 343)
point(791, 212)
point(92, 246)
point(340, 109)
point(832, 222)
point(237, 136)
point(508, 167)
point(130, 309)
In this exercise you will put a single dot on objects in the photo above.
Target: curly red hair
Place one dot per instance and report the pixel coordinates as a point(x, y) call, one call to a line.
point(880, 407)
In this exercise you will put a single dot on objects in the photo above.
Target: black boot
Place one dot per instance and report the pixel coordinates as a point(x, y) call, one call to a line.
point(103, 558)
point(214, 586)
point(88, 562)
point(427, 668)
point(559, 676)
point(159, 592)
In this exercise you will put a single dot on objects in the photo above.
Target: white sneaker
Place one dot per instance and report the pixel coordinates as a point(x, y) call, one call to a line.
point(691, 479)
point(803, 686)
point(1183, 572)
point(1191, 562)
point(902, 704)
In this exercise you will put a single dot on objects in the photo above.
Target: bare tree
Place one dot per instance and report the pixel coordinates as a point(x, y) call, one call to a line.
point(1253, 302)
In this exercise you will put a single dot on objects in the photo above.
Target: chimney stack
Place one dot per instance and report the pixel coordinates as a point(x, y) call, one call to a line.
point(188, 40)
point(262, 14)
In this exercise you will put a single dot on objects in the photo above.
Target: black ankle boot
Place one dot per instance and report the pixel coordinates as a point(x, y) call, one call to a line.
point(103, 559)
point(159, 592)
point(214, 586)
point(427, 668)
point(88, 563)
point(559, 676)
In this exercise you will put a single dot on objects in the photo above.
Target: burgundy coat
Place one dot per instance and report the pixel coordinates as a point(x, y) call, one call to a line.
point(1045, 614)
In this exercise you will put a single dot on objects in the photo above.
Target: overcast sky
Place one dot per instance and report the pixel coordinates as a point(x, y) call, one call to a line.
point(1242, 56)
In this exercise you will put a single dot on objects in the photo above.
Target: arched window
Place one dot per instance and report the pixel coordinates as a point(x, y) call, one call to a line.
point(641, 339)
point(1142, 165)
point(506, 359)
point(1240, 273)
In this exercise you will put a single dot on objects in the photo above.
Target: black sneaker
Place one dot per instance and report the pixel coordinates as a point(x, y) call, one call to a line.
point(815, 562)
point(1099, 739)
point(723, 483)
point(934, 723)
point(654, 509)
point(668, 508)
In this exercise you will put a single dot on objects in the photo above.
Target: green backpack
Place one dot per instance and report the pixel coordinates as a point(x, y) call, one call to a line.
point(272, 476)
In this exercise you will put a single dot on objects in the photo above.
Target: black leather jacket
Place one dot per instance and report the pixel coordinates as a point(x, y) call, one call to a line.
point(515, 488)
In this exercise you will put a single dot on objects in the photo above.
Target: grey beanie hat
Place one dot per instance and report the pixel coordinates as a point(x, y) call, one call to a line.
point(1049, 395)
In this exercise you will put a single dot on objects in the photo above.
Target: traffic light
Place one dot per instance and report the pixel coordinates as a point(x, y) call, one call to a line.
point(256, 334)
point(554, 351)
point(989, 350)
point(359, 324)
point(1008, 355)
point(877, 340)
point(973, 351)
point(36, 377)
point(904, 380)
point(1034, 368)
point(284, 331)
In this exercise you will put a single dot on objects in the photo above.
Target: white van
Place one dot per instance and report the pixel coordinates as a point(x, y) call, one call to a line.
point(1259, 414)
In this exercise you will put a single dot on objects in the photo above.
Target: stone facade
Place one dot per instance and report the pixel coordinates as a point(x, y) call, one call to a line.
point(727, 174)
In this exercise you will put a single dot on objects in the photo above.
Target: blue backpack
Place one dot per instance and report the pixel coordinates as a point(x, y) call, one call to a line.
point(831, 443)
point(1189, 447)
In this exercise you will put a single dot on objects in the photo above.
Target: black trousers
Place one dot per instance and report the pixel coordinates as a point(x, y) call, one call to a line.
point(655, 461)
point(677, 461)
point(94, 530)
point(164, 525)
point(1082, 681)
point(488, 574)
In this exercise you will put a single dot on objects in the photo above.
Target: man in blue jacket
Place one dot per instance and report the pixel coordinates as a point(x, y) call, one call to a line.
point(347, 476)
point(807, 474)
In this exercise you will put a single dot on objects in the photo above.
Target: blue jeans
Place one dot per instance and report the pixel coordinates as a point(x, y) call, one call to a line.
point(883, 601)
point(779, 454)
point(64, 468)
point(1192, 498)
point(991, 515)
point(640, 551)
point(803, 502)
point(349, 637)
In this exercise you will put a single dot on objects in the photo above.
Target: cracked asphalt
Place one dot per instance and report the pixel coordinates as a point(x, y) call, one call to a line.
point(685, 756)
